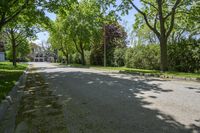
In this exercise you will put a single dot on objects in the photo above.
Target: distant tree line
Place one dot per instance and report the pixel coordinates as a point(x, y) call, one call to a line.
point(165, 39)
point(165, 33)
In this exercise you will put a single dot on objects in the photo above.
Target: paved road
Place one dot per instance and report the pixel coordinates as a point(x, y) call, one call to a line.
point(100, 102)
point(80, 100)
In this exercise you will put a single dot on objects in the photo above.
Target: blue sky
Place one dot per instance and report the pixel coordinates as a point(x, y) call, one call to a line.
point(43, 36)
point(127, 22)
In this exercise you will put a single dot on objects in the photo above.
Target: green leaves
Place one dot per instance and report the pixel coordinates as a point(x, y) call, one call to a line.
point(79, 23)
point(4, 4)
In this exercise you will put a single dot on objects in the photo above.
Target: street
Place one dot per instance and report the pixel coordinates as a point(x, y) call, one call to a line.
point(96, 101)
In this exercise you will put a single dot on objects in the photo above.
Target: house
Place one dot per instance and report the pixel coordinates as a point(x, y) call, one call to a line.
point(40, 54)
point(2, 51)
point(37, 53)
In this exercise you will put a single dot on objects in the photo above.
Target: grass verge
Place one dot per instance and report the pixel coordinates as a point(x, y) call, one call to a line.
point(152, 72)
point(9, 75)
point(143, 71)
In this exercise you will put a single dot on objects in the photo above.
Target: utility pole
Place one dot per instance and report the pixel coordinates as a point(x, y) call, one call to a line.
point(104, 41)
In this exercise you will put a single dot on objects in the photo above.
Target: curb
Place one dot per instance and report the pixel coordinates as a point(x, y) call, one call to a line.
point(13, 95)
point(161, 76)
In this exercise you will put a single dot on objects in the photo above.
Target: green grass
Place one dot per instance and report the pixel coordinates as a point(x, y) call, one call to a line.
point(157, 72)
point(9, 66)
point(182, 74)
point(8, 76)
point(144, 71)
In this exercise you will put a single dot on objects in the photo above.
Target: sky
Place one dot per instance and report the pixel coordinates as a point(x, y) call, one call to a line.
point(43, 36)
point(127, 22)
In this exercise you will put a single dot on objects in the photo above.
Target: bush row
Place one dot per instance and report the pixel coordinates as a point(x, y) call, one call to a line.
point(184, 56)
point(143, 56)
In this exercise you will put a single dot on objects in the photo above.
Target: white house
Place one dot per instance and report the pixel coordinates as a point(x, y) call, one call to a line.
point(37, 53)
point(2, 56)
point(2, 53)
point(40, 54)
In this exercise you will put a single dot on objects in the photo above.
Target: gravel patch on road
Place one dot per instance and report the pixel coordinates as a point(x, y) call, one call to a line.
point(39, 109)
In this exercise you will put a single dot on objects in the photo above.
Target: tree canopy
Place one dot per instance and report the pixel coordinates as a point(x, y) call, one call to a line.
point(90, 31)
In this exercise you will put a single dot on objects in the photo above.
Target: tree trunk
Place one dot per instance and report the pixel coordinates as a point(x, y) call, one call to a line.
point(66, 55)
point(104, 45)
point(14, 53)
point(13, 47)
point(163, 55)
point(82, 53)
point(67, 58)
point(82, 57)
point(0, 28)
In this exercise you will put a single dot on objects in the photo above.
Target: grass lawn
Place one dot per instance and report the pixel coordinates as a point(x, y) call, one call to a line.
point(8, 76)
point(132, 70)
point(169, 73)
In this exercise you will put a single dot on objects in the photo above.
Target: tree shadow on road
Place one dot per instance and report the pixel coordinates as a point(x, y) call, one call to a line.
point(192, 88)
point(39, 110)
point(110, 104)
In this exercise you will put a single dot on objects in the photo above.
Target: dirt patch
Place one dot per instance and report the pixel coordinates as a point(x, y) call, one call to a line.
point(39, 110)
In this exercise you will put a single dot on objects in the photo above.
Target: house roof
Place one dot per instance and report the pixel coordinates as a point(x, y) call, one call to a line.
point(34, 45)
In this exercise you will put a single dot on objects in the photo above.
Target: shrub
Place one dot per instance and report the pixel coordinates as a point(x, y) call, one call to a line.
point(87, 57)
point(143, 56)
point(119, 57)
point(76, 58)
point(184, 56)
point(96, 56)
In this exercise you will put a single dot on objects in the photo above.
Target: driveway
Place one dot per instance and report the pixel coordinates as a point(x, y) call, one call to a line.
point(94, 101)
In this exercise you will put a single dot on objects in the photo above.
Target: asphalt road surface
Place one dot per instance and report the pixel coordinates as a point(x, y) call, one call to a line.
point(95, 101)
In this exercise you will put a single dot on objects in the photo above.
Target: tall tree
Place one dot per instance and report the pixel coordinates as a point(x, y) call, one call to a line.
point(16, 35)
point(9, 9)
point(24, 26)
point(159, 16)
point(79, 24)
point(22, 50)
point(187, 24)
point(115, 37)
point(59, 38)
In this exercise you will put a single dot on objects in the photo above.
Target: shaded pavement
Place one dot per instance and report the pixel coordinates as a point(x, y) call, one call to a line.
point(78, 100)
